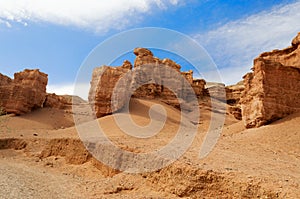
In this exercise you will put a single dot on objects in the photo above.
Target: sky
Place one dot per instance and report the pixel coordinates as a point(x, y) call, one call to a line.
point(57, 36)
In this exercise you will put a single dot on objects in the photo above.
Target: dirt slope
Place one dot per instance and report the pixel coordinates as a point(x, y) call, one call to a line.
point(41, 155)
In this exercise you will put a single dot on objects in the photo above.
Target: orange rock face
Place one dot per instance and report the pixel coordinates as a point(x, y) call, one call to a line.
point(233, 96)
point(24, 93)
point(147, 80)
point(57, 101)
point(272, 89)
point(103, 82)
point(234, 93)
point(4, 80)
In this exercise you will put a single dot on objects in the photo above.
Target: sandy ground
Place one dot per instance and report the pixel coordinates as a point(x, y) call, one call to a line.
point(41, 156)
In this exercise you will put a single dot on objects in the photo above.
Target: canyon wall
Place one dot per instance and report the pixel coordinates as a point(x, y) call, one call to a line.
point(272, 89)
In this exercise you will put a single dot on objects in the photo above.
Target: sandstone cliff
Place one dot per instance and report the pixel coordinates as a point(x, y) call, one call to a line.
point(272, 89)
point(234, 93)
point(103, 82)
point(147, 80)
point(24, 93)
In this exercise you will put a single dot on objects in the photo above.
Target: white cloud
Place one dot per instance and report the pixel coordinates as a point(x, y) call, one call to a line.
point(8, 24)
point(82, 89)
point(96, 15)
point(235, 44)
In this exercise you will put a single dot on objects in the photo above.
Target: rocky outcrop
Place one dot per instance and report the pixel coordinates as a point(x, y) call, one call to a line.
point(216, 91)
point(103, 82)
point(4, 80)
point(233, 96)
point(151, 78)
point(163, 79)
point(149, 74)
point(24, 93)
point(234, 93)
point(227, 94)
point(177, 67)
point(144, 57)
point(58, 101)
point(199, 87)
point(272, 89)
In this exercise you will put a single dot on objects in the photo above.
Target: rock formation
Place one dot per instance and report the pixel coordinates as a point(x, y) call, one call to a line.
point(148, 80)
point(4, 80)
point(24, 93)
point(234, 93)
point(199, 87)
point(216, 91)
point(272, 89)
point(227, 94)
point(58, 101)
point(104, 80)
point(233, 96)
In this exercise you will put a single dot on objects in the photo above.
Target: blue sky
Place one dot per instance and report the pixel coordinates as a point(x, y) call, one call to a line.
point(57, 36)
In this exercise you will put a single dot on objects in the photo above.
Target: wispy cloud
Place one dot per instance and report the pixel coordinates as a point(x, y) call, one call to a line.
point(234, 45)
point(99, 16)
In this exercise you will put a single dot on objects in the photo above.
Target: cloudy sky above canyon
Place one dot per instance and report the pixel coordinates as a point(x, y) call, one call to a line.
point(56, 36)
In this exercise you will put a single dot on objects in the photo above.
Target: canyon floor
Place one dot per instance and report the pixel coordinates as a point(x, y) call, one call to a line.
point(41, 156)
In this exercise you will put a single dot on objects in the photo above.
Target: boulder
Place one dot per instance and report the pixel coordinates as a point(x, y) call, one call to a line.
point(272, 89)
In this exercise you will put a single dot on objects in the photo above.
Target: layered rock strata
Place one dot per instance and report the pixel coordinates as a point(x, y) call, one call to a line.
point(27, 91)
point(151, 78)
point(272, 89)
point(103, 82)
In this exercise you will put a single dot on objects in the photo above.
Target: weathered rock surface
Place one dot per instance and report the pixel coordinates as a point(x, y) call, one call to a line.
point(103, 82)
point(4, 80)
point(151, 78)
point(227, 94)
point(199, 87)
point(216, 91)
point(24, 93)
point(58, 101)
point(272, 89)
point(144, 57)
point(175, 66)
point(150, 71)
point(235, 111)
point(234, 93)
point(167, 75)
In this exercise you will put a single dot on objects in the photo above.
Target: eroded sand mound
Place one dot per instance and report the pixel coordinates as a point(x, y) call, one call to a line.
point(38, 147)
